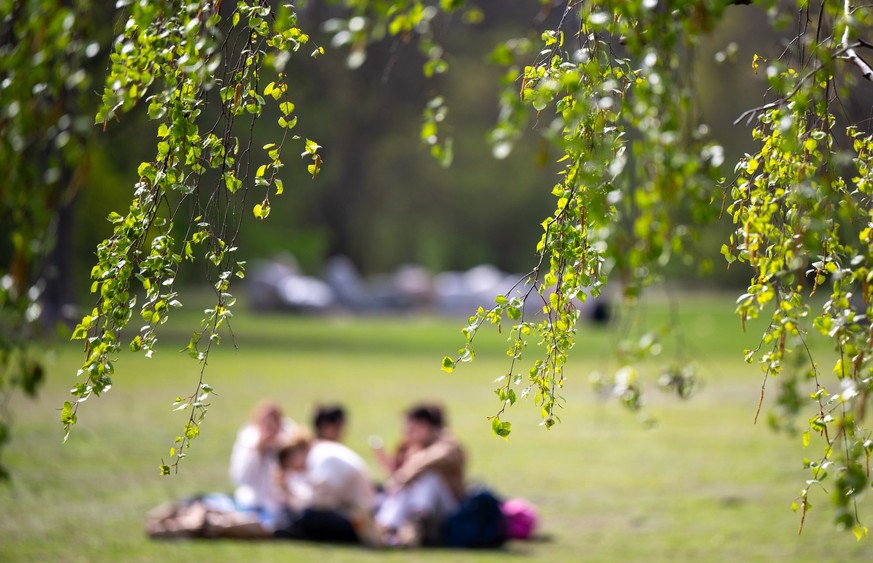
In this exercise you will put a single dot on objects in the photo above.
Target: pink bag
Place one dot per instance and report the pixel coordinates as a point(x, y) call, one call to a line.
point(521, 518)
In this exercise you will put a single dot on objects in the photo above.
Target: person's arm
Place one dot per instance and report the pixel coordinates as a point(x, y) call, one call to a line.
point(386, 461)
point(443, 455)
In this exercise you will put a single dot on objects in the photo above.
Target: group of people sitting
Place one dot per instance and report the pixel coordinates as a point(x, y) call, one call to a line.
point(305, 485)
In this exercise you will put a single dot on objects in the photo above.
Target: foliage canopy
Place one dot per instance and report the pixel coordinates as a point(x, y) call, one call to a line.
point(609, 85)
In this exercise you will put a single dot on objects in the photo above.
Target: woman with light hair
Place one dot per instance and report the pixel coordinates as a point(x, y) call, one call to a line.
point(253, 462)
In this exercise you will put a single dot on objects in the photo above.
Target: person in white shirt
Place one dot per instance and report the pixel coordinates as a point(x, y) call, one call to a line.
point(253, 461)
point(327, 483)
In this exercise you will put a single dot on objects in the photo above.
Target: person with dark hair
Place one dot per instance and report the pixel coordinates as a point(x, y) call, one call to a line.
point(429, 413)
point(428, 482)
point(329, 423)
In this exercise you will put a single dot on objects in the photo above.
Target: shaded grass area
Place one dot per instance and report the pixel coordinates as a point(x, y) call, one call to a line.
point(702, 484)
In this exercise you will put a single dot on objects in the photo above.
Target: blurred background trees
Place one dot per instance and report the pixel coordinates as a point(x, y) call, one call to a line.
point(389, 202)
point(382, 200)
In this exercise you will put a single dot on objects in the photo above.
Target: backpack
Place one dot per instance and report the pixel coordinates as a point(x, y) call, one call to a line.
point(477, 523)
point(521, 518)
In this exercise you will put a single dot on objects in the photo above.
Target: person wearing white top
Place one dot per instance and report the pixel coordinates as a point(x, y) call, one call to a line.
point(339, 478)
point(326, 476)
point(253, 461)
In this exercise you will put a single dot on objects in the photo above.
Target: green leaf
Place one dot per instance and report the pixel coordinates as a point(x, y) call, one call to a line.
point(262, 210)
point(232, 182)
point(67, 415)
point(315, 167)
point(448, 364)
point(147, 170)
point(728, 255)
point(311, 147)
point(288, 123)
point(502, 429)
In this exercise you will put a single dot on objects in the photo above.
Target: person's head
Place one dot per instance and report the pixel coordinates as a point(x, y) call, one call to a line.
point(423, 424)
point(329, 422)
point(292, 454)
point(267, 417)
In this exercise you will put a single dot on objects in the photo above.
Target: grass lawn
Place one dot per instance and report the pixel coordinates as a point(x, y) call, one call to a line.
point(702, 484)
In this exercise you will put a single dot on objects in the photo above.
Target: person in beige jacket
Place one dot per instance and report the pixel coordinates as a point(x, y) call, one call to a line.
point(427, 482)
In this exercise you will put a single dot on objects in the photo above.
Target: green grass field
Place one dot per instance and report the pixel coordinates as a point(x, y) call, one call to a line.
point(703, 484)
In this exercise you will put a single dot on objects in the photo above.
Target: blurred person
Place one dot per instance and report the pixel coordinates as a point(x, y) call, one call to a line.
point(427, 483)
point(327, 491)
point(253, 461)
point(330, 423)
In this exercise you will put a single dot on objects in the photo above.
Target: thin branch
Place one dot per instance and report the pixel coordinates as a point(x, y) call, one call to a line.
point(764, 388)
point(840, 53)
